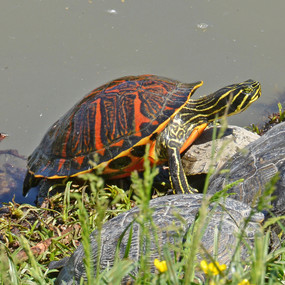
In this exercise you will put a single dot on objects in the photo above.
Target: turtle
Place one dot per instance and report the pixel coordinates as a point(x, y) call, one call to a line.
point(256, 164)
point(116, 121)
point(173, 215)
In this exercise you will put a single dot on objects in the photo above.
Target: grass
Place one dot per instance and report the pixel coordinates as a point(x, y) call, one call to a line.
point(273, 119)
point(82, 213)
point(31, 237)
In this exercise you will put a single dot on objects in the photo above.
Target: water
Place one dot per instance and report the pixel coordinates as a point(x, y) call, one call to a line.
point(54, 52)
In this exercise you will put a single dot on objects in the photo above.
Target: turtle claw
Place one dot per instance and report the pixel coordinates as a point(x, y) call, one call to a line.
point(192, 190)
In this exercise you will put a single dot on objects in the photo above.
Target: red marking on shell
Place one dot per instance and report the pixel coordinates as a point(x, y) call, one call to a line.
point(60, 164)
point(138, 134)
point(79, 160)
point(119, 143)
point(66, 138)
point(98, 122)
point(136, 165)
point(101, 151)
point(139, 117)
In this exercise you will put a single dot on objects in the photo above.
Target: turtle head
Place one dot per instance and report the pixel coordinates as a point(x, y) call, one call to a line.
point(240, 96)
point(227, 101)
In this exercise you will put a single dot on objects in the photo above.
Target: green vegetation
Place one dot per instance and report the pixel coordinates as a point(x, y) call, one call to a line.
point(31, 237)
point(273, 119)
point(74, 214)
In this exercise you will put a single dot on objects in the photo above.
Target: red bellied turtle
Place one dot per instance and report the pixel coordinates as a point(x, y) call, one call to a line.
point(117, 120)
point(173, 215)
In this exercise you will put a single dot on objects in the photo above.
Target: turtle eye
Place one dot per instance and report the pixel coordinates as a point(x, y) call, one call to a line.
point(248, 90)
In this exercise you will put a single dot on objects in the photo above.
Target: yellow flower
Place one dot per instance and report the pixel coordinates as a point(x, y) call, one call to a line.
point(244, 282)
point(211, 268)
point(160, 265)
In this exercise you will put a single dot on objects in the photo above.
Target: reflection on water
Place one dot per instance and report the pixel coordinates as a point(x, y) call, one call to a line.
point(12, 174)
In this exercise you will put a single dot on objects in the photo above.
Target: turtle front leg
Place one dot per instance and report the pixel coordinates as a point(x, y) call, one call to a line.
point(177, 175)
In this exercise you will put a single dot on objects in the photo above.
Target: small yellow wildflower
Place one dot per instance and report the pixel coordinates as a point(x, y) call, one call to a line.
point(160, 265)
point(244, 282)
point(211, 268)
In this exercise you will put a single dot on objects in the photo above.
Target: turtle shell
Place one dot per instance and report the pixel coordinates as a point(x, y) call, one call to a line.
point(173, 215)
point(256, 165)
point(112, 125)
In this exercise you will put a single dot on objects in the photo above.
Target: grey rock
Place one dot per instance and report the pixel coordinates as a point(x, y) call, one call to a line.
point(198, 158)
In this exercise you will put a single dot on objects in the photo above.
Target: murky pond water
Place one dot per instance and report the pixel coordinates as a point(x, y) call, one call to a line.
point(54, 52)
